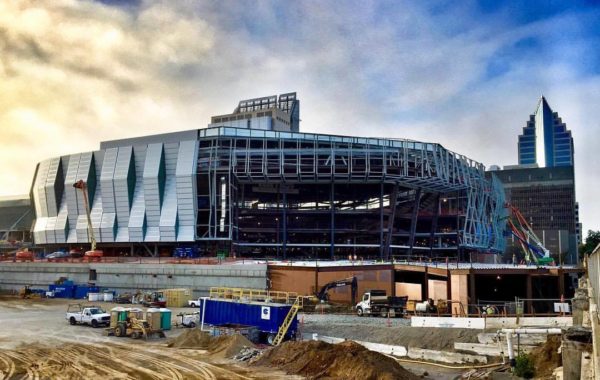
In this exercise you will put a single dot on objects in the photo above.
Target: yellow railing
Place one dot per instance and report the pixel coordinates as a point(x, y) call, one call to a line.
point(287, 322)
point(253, 295)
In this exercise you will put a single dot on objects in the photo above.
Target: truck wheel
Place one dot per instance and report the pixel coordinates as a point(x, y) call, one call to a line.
point(72, 321)
point(192, 305)
point(94, 323)
point(270, 338)
point(120, 331)
point(192, 325)
point(384, 313)
point(359, 312)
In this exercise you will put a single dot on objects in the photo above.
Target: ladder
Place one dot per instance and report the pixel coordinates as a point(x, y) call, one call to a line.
point(287, 322)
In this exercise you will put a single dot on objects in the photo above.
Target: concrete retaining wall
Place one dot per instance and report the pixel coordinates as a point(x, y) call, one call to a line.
point(410, 352)
point(128, 277)
point(491, 323)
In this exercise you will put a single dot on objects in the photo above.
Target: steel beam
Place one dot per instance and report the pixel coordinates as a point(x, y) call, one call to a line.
point(413, 221)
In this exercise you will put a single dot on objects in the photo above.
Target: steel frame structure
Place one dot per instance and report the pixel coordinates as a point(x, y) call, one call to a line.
point(300, 194)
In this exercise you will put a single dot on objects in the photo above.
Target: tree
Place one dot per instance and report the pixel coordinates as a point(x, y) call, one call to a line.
point(591, 241)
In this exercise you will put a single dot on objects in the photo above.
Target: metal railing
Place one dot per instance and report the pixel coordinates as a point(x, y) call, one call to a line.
point(253, 295)
point(593, 266)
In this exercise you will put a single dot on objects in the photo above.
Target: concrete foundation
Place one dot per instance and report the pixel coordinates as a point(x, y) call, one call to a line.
point(127, 277)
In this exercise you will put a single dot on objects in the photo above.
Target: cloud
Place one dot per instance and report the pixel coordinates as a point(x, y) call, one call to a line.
point(74, 73)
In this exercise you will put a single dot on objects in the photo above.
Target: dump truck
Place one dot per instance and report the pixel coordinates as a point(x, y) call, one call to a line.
point(89, 315)
point(378, 303)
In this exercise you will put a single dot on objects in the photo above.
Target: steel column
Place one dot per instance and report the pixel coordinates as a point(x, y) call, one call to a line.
point(390, 225)
point(413, 221)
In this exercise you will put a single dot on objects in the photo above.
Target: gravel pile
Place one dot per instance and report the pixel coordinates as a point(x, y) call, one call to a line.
point(376, 330)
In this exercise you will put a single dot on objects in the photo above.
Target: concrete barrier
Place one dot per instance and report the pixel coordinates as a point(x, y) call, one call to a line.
point(491, 323)
point(493, 349)
point(526, 339)
point(128, 277)
point(448, 322)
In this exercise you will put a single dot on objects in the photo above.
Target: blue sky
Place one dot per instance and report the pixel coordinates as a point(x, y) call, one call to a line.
point(464, 74)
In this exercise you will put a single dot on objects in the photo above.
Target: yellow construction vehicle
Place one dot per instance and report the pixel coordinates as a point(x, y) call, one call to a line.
point(135, 328)
point(25, 292)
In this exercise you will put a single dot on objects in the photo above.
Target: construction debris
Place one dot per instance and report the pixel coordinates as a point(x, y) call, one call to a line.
point(225, 346)
point(246, 354)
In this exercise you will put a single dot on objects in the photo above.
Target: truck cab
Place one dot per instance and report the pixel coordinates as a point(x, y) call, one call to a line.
point(377, 302)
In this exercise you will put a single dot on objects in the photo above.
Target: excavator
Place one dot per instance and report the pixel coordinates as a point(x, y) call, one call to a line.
point(93, 253)
point(322, 296)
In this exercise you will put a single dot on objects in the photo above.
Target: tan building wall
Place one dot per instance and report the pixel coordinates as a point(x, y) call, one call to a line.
point(460, 291)
point(307, 281)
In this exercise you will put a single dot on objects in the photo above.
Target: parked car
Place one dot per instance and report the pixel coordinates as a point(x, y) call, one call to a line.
point(58, 255)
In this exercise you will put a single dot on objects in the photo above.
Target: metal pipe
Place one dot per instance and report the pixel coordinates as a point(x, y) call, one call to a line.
point(510, 332)
point(511, 351)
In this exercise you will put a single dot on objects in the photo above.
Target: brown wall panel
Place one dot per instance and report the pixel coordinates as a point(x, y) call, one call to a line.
point(302, 280)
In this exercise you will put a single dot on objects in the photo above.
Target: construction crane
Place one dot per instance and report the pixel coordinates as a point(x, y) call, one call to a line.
point(93, 253)
point(323, 294)
point(531, 245)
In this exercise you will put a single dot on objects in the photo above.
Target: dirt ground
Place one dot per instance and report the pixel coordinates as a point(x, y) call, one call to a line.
point(37, 342)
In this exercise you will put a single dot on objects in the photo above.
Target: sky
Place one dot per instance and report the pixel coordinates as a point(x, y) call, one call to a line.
point(464, 74)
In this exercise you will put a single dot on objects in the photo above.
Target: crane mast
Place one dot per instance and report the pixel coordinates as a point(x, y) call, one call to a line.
point(81, 185)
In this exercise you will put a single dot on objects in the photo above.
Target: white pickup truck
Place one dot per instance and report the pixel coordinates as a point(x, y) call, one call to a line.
point(195, 303)
point(90, 315)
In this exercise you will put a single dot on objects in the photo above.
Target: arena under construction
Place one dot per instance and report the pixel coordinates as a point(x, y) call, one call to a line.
point(251, 185)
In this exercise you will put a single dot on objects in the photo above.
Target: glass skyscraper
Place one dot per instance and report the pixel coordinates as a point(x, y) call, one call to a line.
point(545, 140)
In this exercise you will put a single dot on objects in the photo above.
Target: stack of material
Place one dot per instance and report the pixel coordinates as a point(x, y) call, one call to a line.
point(177, 297)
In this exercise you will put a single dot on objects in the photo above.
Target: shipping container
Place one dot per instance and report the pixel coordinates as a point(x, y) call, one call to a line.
point(265, 316)
point(62, 291)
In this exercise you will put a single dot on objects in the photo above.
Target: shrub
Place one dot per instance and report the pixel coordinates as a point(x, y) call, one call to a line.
point(524, 366)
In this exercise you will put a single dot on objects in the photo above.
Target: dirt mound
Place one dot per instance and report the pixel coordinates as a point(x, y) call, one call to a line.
point(320, 360)
point(546, 357)
point(227, 346)
point(193, 338)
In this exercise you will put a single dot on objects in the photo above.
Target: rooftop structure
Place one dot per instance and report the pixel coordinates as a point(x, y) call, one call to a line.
point(269, 113)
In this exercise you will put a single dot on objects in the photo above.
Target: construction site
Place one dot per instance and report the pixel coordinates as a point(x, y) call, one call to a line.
point(250, 250)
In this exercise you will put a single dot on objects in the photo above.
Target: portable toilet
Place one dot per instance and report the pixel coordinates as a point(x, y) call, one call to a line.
point(117, 314)
point(165, 319)
point(154, 318)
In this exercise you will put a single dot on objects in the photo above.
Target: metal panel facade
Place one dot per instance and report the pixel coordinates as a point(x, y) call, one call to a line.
point(255, 188)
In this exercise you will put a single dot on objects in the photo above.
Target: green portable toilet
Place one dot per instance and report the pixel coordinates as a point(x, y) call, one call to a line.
point(165, 318)
point(117, 314)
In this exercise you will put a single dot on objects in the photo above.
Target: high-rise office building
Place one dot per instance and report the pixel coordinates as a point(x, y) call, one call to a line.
point(542, 186)
point(545, 140)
